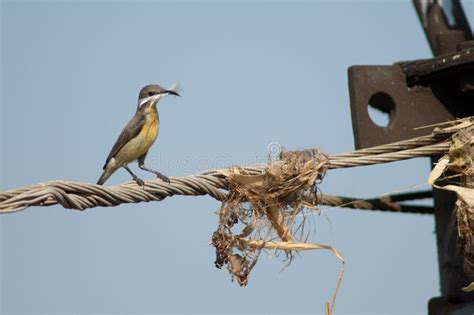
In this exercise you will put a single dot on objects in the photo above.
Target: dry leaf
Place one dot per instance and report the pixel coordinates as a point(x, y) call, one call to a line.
point(463, 125)
point(469, 288)
point(438, 170)
point(465, 194)
point(247, 180)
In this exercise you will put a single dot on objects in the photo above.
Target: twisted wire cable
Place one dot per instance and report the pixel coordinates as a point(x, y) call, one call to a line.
point(81, 196)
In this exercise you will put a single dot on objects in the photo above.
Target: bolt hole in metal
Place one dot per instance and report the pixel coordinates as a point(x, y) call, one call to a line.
point(381, 109)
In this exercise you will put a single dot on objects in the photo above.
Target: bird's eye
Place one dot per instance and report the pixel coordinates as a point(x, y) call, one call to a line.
point(151, 93)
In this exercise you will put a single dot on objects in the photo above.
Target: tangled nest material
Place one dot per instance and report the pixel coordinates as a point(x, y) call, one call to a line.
point(461, 154)
point(459, 161)
point(265, 205)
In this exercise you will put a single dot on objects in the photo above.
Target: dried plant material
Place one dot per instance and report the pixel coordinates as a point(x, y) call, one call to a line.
point(271, 199)
point(469, 288)
point(459, 161)
point(259, 244)
point(327, 308)
point(461, 155)
point(466, 195)
point(264, 206)
point(464, 123)
point(438, 170)
point(461, 152)
point(291, 246)
point(465, 218)
point(239, 266)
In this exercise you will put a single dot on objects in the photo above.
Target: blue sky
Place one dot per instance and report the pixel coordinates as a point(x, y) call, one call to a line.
point(250, 74)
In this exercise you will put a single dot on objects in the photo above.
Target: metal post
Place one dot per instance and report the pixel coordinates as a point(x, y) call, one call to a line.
point(420, 93)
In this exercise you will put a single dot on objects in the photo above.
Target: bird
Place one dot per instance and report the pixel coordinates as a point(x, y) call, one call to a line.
point(138, 136)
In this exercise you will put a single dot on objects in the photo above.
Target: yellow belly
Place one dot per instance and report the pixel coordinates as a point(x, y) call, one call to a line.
point(139, 145)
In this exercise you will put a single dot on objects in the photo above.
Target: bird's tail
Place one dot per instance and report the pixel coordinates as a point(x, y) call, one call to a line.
point(105, 175)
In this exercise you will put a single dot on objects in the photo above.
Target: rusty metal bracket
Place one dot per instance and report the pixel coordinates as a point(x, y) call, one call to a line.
point(385, 88)
point(414, 94)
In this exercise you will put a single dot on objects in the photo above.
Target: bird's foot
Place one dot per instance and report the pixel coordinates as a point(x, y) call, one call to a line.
point(139, 181)
point(162, 177)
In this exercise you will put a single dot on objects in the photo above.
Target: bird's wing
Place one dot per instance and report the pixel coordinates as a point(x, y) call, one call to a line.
point(131, 130)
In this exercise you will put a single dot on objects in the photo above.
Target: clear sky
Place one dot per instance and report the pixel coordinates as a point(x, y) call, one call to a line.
point(251, 73)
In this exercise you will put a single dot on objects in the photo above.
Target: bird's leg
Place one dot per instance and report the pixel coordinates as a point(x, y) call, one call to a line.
point(141, 164)
point(138, 180)
point(158, 174)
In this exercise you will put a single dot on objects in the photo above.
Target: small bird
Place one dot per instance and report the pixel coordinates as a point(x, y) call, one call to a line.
point(138, 136)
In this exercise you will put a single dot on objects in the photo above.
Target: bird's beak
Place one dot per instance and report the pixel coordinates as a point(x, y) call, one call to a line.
point(172, 92)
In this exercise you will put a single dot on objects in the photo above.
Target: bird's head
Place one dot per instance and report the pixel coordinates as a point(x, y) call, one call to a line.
point(152, 93)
